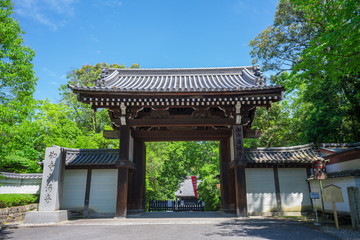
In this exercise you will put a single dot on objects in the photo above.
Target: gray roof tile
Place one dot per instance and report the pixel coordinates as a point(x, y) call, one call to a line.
point(21, 175)
point(179, 80)
point(303, 154)
point(91, 157)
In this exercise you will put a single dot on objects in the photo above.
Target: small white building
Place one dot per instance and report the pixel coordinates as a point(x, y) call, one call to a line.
point(343, 170)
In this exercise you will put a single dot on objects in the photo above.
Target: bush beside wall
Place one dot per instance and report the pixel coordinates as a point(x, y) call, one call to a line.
point(10, 200)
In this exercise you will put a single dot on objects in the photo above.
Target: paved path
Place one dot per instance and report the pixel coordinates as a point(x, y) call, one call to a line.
point(170, 228)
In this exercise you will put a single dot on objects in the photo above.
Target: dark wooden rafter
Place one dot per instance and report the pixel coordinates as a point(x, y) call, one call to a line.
point(182, 135)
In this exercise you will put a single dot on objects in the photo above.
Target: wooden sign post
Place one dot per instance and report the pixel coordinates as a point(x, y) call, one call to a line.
point(315, 195)
point(333, 194)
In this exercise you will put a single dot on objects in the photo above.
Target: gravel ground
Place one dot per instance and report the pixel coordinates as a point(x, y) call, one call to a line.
point(343, 234)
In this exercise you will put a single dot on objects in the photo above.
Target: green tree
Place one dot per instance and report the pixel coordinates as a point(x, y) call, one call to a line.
point(19, 140)
point(301, 42)
point(169, 163)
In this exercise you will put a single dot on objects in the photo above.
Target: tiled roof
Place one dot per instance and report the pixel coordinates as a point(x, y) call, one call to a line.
point(340, 147)
point(180, 80)
point(21, 175)
point(91, 157)
point(303, 154)
point(345, 173)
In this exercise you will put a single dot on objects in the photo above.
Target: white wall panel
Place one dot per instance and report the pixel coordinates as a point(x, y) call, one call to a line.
point(343, 183)
point(341, 166)
point(20, 186)
point(103, 191)
point(294, 190)
point(74, 189)
point(260, 188)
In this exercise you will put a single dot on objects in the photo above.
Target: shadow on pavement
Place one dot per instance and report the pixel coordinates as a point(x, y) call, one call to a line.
point(267, 229)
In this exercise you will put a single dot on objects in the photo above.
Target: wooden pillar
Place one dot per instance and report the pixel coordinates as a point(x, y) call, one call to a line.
point(136, 198)
point(227, 179)
point(240, 186)
point(123, 172)
point(277, 189)
point(87, 192)
point(122, 192)
point(239, 164)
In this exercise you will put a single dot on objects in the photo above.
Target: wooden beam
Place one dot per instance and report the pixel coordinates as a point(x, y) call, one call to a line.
point(182, 135)
point(252, 133)
point(180, 122)
point(110, 134)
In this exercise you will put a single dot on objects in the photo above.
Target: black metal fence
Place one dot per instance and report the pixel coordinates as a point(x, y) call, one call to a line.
point(176, 206)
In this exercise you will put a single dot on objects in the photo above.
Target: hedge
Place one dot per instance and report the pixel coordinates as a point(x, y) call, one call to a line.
point(10, 200)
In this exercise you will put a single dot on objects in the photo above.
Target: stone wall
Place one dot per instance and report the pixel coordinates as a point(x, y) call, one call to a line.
point(15, 214)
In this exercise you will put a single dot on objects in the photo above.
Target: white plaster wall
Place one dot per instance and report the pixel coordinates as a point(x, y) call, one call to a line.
point(74, 189)
point(260, 188)
point(294, 190)
point(343, 183)
point(341, 166)
point(20, 186)
point(103, 191)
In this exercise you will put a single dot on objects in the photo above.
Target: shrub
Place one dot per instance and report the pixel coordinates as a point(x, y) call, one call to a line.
point(10, 200)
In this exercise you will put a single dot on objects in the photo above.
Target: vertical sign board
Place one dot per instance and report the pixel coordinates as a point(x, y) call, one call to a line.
point(333, 194)
point(238, 145)
point(194, 184)
point(51, 182)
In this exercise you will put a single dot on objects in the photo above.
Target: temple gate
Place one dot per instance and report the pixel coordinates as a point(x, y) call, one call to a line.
point(180, 105)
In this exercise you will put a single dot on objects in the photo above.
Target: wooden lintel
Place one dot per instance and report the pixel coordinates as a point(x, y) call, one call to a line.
point(252, 133)
point(110, 134)
point(180, 122)
point(182, 135)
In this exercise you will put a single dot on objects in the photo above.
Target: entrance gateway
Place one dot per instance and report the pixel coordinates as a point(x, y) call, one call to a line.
point(194, 104)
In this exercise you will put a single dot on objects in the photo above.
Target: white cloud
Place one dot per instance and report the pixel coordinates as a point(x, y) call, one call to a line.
point(51, 13)
point(49, 72)
point(113, 3)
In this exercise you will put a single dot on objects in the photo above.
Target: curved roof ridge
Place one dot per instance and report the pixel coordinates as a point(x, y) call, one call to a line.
point(190, 68)
point(75, 150)
point(283, 149)
point(21, 175)
point(325, 145)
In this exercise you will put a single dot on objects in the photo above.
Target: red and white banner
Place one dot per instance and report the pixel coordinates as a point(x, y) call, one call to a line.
point(193, 179)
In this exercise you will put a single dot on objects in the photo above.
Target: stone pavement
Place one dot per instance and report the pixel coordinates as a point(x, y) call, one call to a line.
point(170, 226)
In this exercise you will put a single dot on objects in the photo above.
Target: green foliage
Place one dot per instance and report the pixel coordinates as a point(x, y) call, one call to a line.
point(11, 200)
point(17, 79)
point(19, 140)
point(169, 163)
point(312, 41)
point(335, 50)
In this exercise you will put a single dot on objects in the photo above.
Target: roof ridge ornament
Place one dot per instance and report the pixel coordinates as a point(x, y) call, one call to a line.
point(101, 81)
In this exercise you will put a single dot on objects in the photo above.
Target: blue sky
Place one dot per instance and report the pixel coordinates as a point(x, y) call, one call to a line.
point(67, 34)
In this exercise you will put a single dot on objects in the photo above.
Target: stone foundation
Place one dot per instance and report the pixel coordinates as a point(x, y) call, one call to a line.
point(15, 214)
